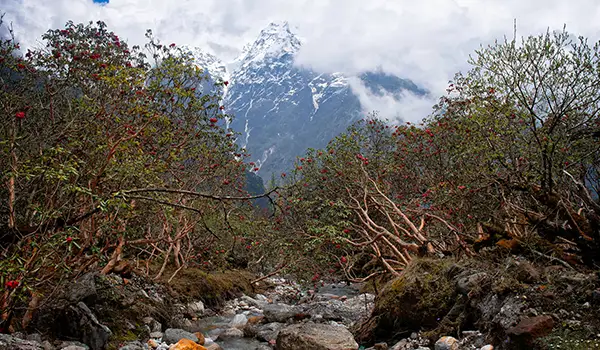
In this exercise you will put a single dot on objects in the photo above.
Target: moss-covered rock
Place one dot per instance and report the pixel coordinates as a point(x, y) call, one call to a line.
point(211, 288)
point(417, 300)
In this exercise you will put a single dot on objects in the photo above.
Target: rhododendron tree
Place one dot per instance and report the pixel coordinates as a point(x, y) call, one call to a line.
point(112, 150)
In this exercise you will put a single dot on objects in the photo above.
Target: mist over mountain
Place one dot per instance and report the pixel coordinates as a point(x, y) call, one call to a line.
point(282, 109)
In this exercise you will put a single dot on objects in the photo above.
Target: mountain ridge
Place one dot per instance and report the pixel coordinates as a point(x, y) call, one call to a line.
point(282, 109)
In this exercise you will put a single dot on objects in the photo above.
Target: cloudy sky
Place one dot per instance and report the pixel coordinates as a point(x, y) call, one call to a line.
point(426, 40)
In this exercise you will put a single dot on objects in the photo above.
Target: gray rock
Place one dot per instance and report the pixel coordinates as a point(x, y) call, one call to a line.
point(347, 312)
point(134, 345)
point(78, 345)
point(156, 335)
point(279, 312)
point(231, 333)
point(466, 284)
point(239, 321)
point(84, 289)
point(85, 326)
point(263, 347)
point(269, 331)
point(195, 309)
point(312, 336)
point(75, 347)
point(173, 335)
point(8, 342)
point(36, 337)
point(47, 345)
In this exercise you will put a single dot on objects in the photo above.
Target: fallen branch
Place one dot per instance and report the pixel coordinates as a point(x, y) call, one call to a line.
point(269, 275)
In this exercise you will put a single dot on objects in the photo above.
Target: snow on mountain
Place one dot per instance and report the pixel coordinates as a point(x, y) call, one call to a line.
point(282, 109)
point(216, 68)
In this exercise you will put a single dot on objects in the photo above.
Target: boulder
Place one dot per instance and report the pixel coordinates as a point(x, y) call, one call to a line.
point(231, 333)
point(81, 323)
point(268, 331)
point(279, 312)
point(75, 345)
point(187, 344)
point(8, 342)
point(446, 343)
point(347, 312)
point(417, 300)
point(195, 309)
point(529, 329)
point(312, 336)
point(84, 289)
point(239, 321)
point(174, 335)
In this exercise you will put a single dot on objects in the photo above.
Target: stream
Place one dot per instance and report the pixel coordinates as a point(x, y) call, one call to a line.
point(322, 306)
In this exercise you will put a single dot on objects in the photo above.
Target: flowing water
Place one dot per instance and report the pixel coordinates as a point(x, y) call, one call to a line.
point(212, 326)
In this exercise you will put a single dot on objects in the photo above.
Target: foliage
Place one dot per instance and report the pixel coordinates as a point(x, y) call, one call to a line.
point(110, 152)
point(509, 153)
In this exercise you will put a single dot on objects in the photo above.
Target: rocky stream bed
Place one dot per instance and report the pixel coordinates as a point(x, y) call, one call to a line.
point(285, 318)
point(512, 304)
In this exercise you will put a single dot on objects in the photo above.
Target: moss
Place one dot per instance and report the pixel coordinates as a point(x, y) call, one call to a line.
point(565, 337)
point(417, 300)
point(212, 288)
point(122, 336)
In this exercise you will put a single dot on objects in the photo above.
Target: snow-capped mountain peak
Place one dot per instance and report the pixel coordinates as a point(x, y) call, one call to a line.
point(282, 109)
point(215, 68)
point(276, 40)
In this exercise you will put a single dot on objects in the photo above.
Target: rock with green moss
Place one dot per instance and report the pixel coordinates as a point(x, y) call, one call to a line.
point(418, 299)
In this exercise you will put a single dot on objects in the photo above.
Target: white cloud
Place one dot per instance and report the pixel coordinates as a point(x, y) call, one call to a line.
point(394, 107)
point(426, 41)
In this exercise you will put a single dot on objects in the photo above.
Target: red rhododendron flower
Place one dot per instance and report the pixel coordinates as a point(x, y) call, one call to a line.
point(172, 45)
point(11, 284)
point(69, 239)
point(343, 260)
point(346, 231)
point(213, 120)
point(226, 83)
point(222, 107)
point(20, 115)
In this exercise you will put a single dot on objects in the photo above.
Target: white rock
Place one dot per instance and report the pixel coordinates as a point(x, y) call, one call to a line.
point(239, 321)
